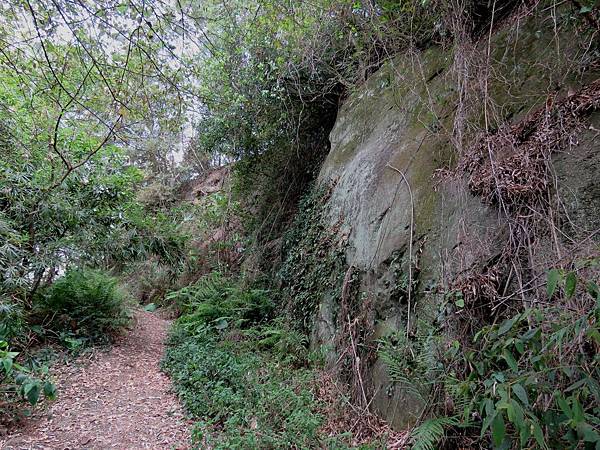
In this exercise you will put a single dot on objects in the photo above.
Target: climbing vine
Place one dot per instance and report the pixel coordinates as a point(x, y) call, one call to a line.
point(314, 263)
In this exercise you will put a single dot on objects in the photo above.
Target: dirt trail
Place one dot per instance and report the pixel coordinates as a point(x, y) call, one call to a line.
point(120, 400)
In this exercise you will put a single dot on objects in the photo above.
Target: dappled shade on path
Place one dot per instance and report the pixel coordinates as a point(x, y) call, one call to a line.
point(120, 400)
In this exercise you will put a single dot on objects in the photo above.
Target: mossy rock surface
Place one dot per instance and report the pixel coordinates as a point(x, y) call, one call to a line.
point(403, 119)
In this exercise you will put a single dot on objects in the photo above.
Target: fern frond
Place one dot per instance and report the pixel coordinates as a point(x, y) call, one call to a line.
point(395, 362)
point(210, 287)
point(429, 434)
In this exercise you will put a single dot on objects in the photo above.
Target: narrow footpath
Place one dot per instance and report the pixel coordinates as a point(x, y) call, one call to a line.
point(119, 400)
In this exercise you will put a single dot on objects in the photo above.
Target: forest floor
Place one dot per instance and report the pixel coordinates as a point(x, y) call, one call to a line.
point(117, 399)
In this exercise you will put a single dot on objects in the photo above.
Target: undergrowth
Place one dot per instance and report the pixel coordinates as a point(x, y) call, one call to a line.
point(245, 376)
point(83, 304)
point(21, 383)
point(529, 381)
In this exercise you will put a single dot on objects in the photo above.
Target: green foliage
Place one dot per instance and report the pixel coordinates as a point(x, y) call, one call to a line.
point(149, 280)
point(272, 85)
point(233, 370)
point(241, 393)
point(430, 433)
point(529, 381)
point(535, 382)
point(11, 321)
point(266, 96)
point(218, 302)
point(86, 303)
point(7, 359)
point(244, 376)
point(557, 278)
point(45, 226)
point(288, 345)
point(20, 383)
point(314, 259)
point(416, 362)
point(143, 234)
point(69, 130)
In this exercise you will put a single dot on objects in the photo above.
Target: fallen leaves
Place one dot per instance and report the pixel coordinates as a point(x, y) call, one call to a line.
point(117, 400)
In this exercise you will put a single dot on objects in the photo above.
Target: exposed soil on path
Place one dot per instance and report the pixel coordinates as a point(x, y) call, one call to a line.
point(119, 400)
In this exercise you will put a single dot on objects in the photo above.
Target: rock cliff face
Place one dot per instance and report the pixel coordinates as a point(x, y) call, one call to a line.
point(412, 231)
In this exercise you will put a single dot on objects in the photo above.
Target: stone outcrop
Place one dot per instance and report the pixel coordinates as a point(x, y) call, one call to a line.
point(409, 224)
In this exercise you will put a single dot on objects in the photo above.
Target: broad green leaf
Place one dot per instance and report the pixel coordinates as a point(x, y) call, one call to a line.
point(570, 284)
point(20, 378)
point(564, 406)
point(552, 281)
point(520, 347)
point(32, 391)
point(530, 334)
point(510, 360)
point(518, 413)
point(7, 363)
point(507, 325)
point(49, 390)
point(588, 433)
point(538, 434)
point(498, 430)
point(510, 412)
point(489, 418)
point(578, 414)
point(521, 393)
point(524, 434)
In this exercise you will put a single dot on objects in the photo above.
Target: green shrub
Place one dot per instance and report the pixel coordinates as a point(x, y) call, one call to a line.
point(285, 343)
point(218, 302)
point(535, 381)
point(85, 303)
point(528, 381)
point(19, 383)
point(11, 321)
